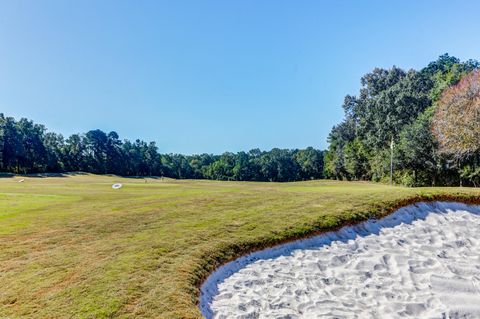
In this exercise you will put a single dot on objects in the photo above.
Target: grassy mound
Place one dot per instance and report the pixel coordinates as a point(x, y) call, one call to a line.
point(71, 246)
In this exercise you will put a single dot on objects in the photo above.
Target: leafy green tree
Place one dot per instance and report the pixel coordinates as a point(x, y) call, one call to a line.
point(12, 146)
point(222, 169)
point(199, 164)
point(75, 153)
point(34, 155)
point(54, 146)
point(357, 160)
point(417, 150)
point(310, 162)
point(338, 138)
point(242, 171)
point(397, 105)
point(113, 154)
point(96, 146)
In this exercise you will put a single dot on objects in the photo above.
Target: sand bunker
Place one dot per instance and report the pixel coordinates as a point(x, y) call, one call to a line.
point(423, 261)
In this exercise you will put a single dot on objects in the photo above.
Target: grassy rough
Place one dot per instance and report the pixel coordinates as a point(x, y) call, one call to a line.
point(71, 247)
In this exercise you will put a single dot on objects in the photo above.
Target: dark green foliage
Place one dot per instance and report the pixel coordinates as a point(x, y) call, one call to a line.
point(397, 105)
point(356, 160)
point(26, 147)
point(310, 162)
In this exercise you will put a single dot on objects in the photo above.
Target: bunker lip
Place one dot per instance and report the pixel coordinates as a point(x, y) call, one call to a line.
point(214, 260)
point(408, 263)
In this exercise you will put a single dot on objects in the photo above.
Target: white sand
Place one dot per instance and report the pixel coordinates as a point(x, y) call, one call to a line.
point(423, 261)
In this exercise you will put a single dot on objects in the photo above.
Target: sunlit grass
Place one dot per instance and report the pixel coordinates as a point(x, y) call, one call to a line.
point(73, 247)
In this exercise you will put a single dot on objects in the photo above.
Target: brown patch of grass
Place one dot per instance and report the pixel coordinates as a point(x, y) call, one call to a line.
point(73, 247)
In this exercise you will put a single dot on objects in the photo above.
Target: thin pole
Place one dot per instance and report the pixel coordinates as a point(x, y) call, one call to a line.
point(391, 162)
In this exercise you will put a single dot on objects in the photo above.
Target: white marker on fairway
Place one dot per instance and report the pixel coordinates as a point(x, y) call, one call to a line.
point(21, 181)
point(117, 186)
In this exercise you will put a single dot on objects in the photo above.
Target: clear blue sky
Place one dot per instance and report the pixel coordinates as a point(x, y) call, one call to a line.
point(213, 76)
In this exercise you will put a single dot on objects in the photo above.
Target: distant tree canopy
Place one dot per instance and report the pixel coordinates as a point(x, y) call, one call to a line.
point(423, 113)
point(432, 117)
point(26, 147)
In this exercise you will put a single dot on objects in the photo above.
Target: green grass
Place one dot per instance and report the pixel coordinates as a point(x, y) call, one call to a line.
point(71, 247)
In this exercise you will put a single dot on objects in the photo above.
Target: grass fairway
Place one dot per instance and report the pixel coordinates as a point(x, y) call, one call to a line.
point(72, 247)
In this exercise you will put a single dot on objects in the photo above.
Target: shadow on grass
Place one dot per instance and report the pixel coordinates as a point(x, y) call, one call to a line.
point(41, 175)
point(70, 174)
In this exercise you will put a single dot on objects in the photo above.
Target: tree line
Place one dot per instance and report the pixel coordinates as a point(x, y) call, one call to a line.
point(27, 147)
point(429, 120)
point(425, 122)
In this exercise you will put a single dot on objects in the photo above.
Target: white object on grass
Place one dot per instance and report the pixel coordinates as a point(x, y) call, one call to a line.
point(21, 181)
point(117, 186)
